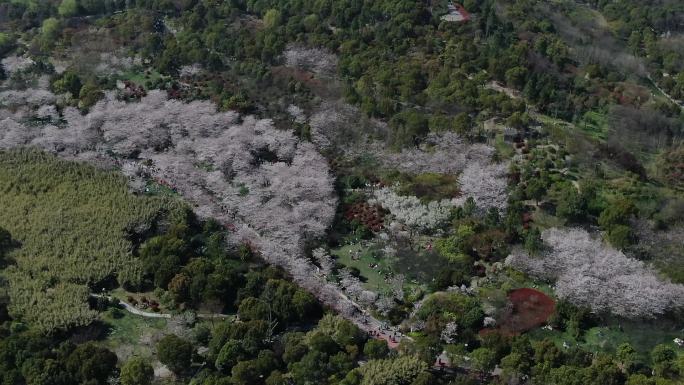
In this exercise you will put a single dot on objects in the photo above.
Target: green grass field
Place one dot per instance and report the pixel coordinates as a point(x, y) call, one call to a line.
point(140, 78)
point(368, 255)
point(135, 335)
point(642, 335)
point(595, 124)
point(154, 188)
point(544, 220)
point(418, 265)
point(505, 149)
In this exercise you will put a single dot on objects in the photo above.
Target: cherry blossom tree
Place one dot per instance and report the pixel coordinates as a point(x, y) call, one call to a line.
point(449, 333)
point(31, 97)
point(591, 273)
point(445, 153)
point(270, 190)
point(486, 183)
point(410, 211)
point(316, 60)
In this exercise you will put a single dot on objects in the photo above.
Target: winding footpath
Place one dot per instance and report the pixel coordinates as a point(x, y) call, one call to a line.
point(148, 314)
point(662, 91)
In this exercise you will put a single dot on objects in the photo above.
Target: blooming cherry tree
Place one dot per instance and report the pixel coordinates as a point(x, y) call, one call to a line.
point(591, 273)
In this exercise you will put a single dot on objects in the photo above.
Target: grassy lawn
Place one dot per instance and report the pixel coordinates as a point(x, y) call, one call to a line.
point(140, 78)
point(551, 121)
point(643, 336)
point(154, 188)
point(505, 149)
point(595, 124)
point(130, 334)
point(544, 220)
point(368, 255)
point(418, 265)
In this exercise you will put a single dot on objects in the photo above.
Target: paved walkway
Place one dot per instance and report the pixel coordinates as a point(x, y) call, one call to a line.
point(134, 310)
point(662, 91)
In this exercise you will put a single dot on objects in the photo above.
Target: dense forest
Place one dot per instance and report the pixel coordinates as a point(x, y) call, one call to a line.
point(345, 192)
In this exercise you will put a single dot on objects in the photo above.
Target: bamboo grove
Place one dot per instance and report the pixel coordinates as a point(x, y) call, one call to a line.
point(74, 224)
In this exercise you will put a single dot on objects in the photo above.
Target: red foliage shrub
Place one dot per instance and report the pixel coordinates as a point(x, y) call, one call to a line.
point(527, 309)
point(370, 216)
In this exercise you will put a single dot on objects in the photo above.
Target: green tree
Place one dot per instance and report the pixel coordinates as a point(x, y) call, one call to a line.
point(245, 373)
point(462, 123)
point(179, 287)
point(231, 353)
point(50, 28)
point(603, 371)
point(567, 375)
point(514, 366)
point(6, 243)
point(6, 44)
point(91, 362)
point(409, 126)
point(311, 22)
point(311, 368)
point(570, 204)
point(375, 349)
point(663, 359)
point(533, 241)
point(535, 189)
point(484, 359)
point(294, 348)
point(137, 371)
point(617, 212)
point(254, 309)
point(546, 352)
point(515, 77)
point(89, 94)
point(276, 378)
point(620, 236)
point(398, 371)
point(68, 82)
point(68, 8)
point(424, 378)
point(38, 371)
point(175, 352)
point(627, 356)
point(634, 41)
point(518, 120)
point(639, 379)
point(272, 18)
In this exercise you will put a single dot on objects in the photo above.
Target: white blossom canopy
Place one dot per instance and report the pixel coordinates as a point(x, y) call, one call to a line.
point(590, 273)
point(270, 189)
